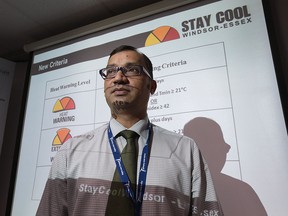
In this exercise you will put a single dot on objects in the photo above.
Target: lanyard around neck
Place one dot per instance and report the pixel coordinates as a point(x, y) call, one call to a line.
point(137, 198)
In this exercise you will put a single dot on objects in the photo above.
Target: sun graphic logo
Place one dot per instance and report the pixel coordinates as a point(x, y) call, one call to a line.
point(62, 135)
point(162, 34)
point(62, 106)
point(66, 103)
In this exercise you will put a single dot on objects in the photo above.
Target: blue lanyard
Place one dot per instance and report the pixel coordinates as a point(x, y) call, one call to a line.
point(138, 199)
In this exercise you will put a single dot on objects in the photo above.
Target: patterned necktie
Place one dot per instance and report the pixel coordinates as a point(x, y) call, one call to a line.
point(121, 204)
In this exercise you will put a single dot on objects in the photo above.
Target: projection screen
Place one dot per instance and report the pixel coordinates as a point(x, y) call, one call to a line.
point(216, 84)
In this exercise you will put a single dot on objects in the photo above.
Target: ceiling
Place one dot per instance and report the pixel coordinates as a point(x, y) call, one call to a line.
point(27, 21)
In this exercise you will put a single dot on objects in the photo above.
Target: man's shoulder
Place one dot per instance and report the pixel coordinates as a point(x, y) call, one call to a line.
point(171, 135)
point(90, 134)
point(168, 142)
point(164, 131)
point(88, 137)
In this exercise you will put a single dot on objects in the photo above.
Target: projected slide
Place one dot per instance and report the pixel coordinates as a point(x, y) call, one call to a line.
point(216, 84)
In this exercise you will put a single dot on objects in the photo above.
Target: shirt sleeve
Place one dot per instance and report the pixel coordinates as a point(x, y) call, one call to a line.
point(54, 197)
point(204, 199)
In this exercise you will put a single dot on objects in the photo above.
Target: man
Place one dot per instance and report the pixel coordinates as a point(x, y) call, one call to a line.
point(89, 177)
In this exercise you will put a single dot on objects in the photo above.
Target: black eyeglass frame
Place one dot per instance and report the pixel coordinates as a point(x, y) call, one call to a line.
point(124, 70)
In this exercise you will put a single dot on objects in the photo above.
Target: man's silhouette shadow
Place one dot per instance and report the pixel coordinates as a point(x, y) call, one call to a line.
point(237, 197)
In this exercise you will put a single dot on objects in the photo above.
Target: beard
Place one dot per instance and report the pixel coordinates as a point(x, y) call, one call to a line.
point(118, 106)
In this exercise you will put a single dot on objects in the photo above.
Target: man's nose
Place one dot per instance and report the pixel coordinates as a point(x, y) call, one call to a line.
point(120, 77)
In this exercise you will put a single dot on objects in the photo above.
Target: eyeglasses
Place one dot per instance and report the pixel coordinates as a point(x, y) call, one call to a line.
point(129, 71)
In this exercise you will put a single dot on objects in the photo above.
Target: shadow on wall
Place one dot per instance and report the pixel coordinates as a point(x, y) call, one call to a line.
point(237, 197)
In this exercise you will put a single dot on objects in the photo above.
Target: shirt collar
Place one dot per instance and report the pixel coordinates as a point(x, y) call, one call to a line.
point(139, 127)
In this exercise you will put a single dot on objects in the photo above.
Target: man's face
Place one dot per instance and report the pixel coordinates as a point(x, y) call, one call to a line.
point(128, 94)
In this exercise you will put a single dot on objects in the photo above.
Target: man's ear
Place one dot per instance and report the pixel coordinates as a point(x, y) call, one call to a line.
point(153, 86)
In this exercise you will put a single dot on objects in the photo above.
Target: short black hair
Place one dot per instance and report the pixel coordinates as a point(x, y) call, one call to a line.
point(147, 61)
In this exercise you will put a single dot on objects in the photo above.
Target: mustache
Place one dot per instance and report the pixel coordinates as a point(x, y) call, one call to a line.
point(118, 87)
